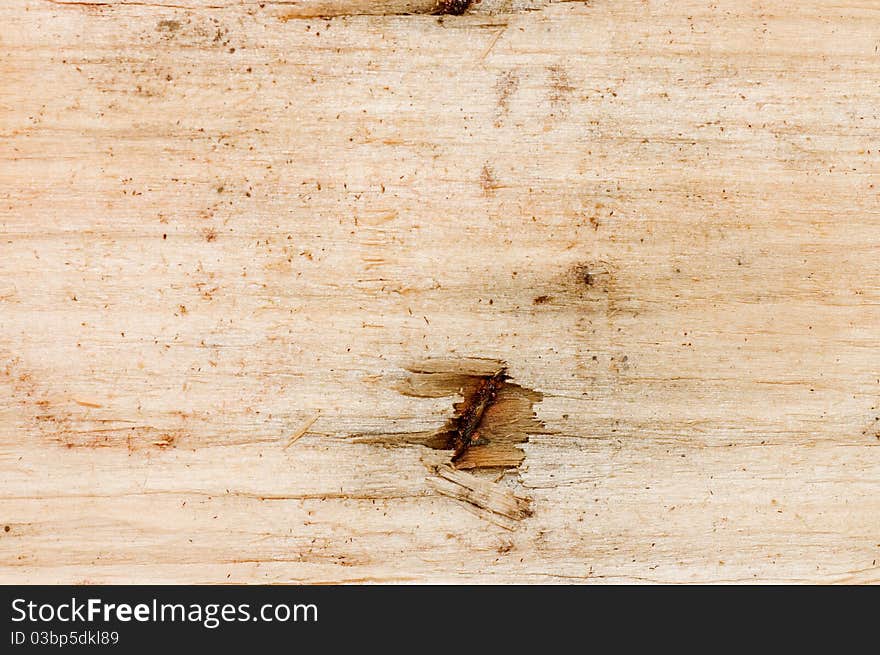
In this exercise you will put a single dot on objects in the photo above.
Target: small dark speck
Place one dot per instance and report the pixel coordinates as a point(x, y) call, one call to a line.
point(585, 276)
point(542, 300)
point(6, 528)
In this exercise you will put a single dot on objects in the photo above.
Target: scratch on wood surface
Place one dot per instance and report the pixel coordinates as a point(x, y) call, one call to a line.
point(87, 403)
point(492, 43)
point(301, 431)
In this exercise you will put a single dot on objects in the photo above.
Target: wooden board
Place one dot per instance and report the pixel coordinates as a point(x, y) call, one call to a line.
point(258, 261)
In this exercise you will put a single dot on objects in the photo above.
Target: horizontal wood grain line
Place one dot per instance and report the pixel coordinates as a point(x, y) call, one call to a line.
point(311, 9)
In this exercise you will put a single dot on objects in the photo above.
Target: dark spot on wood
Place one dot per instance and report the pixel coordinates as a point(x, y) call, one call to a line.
point(542, 300)
point(452, 7)
point(560, 86)
point(488, 182)
point(589, 281)
point(584, 275)
point(6, 528)
point(505, 87)
point(165, 441)
point(168, 26)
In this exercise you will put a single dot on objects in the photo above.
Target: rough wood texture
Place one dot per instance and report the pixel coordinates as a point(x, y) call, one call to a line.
point(228, 232)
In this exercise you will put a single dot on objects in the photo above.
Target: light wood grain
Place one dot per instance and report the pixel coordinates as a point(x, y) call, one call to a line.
point(227, 232)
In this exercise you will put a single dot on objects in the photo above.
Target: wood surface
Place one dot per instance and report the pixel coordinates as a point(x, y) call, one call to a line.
point(258, 260)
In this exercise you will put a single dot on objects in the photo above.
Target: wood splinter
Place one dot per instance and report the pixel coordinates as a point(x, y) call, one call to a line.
point(467, 425)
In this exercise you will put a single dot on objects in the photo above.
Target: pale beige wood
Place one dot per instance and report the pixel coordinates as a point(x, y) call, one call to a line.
point(227, 233)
